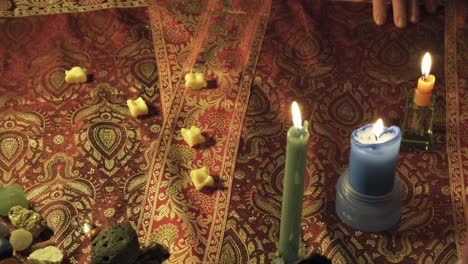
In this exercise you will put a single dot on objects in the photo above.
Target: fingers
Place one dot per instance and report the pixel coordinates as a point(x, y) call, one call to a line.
point(379, 11)
point(413, 10)
point(431, 6)
point(399, 13)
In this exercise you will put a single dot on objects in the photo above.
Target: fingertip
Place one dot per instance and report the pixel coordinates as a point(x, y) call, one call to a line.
point(380, 20)
point(413, 11)
point(379, 10)
point(414, 19)
point(400, 22)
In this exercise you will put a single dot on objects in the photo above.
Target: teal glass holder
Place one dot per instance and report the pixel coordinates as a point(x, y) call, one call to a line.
point(368, 213)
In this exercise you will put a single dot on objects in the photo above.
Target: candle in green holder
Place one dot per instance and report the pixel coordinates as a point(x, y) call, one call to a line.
point(293, 192)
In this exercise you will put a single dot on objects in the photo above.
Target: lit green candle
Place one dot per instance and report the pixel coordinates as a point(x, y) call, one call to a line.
point(293, 192)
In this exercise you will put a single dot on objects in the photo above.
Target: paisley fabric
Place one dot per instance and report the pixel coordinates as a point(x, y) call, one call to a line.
point(82, 158)
point(456, 36)
point(345, 72)
point(20, 8)
point(74, 148)
point(224, 42)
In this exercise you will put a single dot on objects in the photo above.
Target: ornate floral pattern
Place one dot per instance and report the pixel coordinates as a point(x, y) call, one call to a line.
point(15, 8)
point(456, 33)
point(171, 200)
point(74, 148)
point(79, 155)
point(360, 75)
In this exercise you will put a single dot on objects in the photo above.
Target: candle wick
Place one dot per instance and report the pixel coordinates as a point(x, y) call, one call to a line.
point(376, 137)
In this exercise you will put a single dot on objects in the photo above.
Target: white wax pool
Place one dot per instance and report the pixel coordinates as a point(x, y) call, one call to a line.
point(366, 136)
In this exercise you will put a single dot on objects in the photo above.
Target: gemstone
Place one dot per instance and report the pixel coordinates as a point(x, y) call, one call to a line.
point(10, 196)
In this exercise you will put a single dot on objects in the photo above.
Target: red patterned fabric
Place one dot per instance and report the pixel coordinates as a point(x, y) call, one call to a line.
point(345, 72)
point(77, 152)
point(456, 36)
point(224, 40)
point(74, 148)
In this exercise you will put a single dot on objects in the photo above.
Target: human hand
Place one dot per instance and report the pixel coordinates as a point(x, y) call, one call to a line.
point(402, 11)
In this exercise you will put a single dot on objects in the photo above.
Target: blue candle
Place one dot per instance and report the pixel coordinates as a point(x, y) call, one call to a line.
point(373, 159)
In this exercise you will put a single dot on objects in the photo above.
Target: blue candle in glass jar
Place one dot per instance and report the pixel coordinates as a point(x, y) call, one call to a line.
point(373, 159)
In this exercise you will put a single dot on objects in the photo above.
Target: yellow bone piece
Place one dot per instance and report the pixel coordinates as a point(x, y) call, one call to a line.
point(195, 80)
point(47, 255)
point(201, 178)
point(192, 136)
point(137, 107)
point(76, 75)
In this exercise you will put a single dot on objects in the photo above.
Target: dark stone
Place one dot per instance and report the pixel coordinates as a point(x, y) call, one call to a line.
point(4, 232)
point(117, 244)
point(153, 255)
point(211, 84)
point(315, 259)
point(5, 248)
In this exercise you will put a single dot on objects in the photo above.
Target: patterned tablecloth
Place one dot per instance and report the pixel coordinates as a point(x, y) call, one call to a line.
point(77, 152)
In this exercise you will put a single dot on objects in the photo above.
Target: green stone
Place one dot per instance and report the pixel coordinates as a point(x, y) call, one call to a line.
point(10, 196)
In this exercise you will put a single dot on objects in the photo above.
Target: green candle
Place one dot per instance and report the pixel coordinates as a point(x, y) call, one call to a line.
point(293, 192)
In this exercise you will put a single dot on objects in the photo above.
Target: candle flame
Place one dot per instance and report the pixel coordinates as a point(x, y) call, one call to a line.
point(426, 64)
point(378, 128)
point(296, 115)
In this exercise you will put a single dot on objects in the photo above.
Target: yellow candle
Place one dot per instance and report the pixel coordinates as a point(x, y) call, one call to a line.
point(195, 80)
point(192, 136)
point(76, 75)
point(137, 107)
point(422, 95)
point(201, 178)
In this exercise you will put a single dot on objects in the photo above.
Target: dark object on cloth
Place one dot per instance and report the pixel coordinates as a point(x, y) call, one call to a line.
point(315, 259)
point(117, 244)
point(4, 232)
point(10, 261)
point(6, 250)
point(153, 255)
point(211, 84)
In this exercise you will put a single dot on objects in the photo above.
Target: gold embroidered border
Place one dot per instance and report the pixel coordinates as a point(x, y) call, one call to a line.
point(455, 159)
point(227, 157)
point(231, 156)
point(165, 83)
point(26, 8)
